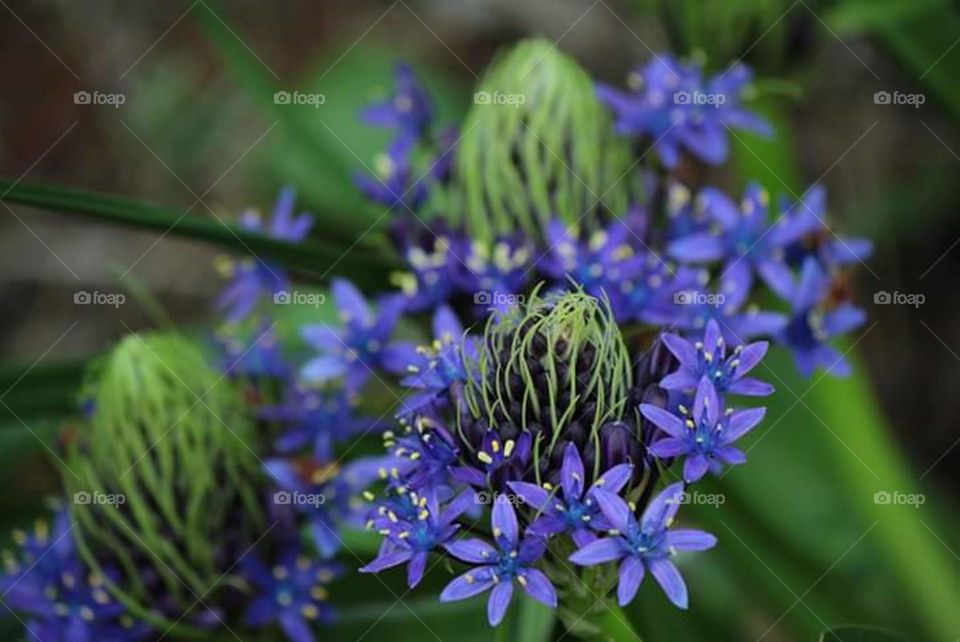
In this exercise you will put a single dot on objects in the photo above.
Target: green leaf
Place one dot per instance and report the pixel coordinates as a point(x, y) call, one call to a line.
point(859, 634)
point(315, 258)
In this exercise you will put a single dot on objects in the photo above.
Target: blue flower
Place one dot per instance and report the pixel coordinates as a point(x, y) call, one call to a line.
point(440, 364)
point(708, 358)
point(257, 354)
point(425, 452)
point(431, 261)
point(395, 183)
point(572, 508)
point(674, 107)
point(292, 593)
point(327, 495)
point(744, 238)
point(812, 324)
point(704, 437)
point(833, 251)
point(645, 544)
point(598, 263)
point(63, 599)
point(315, 418)
point(360, 346)
point(498, 566)
point(492, 274)
point(410, 539)
point(250, 278)
point(408, 111)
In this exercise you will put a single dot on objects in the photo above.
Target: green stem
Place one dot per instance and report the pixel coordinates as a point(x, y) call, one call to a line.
point(614, 625)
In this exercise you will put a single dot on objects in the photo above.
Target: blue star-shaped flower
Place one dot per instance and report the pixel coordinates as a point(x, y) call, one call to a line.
point(645, 544)
point(704, 437)
point(511, 559)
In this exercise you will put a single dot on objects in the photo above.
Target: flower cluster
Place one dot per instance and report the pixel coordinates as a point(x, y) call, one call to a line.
point(576, 377)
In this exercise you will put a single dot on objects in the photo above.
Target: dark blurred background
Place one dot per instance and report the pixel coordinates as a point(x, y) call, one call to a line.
point(193, 127)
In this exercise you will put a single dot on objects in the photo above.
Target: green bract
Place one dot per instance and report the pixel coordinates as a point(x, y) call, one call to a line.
point(557, 366)
point(162, 475)
point(537, 144)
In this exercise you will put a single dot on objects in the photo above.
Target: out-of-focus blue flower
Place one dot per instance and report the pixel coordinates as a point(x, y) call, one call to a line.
point(357, 348)
point(511, 559)
point(673, 106)
point(326, 494)
point(709, 358)
point(254, 354)
point(812, 324)
point(440, 364)
point(572, 509)
point(745, 240)
point(432, 263)
point(315, 418)
point(292, 593)
point(63, 601)
point(251, 278)
point(410, 541)
point(408, 110)
point(832, 250)
point(495, 275)
point(395, 182)
point(705, 436)
point(425, 451)
point(644, 544)
point(598, 263)
point(691, 309)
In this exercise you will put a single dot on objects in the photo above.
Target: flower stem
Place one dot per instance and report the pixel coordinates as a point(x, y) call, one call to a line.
point(613, 624)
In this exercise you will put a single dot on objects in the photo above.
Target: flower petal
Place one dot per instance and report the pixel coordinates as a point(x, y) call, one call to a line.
point(537, 586)
point(387, 560)
point(631, 574)
point(666, 421)
point(662, 508)
point(472, 550)
point(616, 510)
point(741, 422)
point(571, 473)
point(499, 601)
point(670, 579)
point(614, 479)
point(688, 539)
point(695, 468)
point(599, 552)
point(473, 582)
point(504, 521)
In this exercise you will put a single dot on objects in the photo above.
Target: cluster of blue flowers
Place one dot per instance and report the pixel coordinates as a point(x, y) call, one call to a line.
point(683, 264)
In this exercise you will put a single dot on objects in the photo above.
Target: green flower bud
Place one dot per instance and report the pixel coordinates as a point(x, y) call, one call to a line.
point(162, 475)
point(537, 144)
point(558, 367)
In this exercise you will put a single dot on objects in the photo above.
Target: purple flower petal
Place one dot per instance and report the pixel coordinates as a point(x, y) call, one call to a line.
point(684, 539)
point(697, 248)
point(683, 350)
point(670, 580)
point(537, 586)
point(614, 509)
point(741, 422)
point(750, 387)
point(666, 421)
point(571, 473)
point(499, 601)
point(387, 560)
point(662, 508)
point(532, 494)
point(473, 582)
point(351, 304)
point(730, 455)
point(631, 574)
point(670, 447)
point(416, 568)
point(295, 626)
point(614, 479)
point(695, 468)
point(598, 552)
point(472, 550)
point(504, 521)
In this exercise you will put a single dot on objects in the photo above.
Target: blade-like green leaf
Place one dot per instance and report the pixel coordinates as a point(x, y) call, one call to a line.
point(314, 257)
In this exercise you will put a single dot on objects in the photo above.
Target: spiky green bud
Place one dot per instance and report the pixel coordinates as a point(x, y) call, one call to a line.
point(557, 366)
point(164, 471)
point(537, 144)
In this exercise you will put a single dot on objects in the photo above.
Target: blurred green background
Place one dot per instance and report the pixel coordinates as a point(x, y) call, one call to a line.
point(806, 542)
